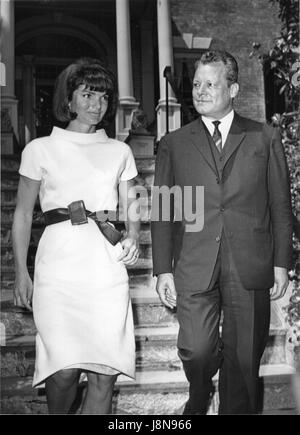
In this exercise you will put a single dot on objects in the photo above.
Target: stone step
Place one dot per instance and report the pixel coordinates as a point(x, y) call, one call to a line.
point(147, 308)
point(147, 311)
point(6, 237)
point(140, 284)
point(140, 279)
point(37, 230)
point(145, 177)
point(10, 169)
point(9, 183)
point(156, 349)
point(7, 258)
point(150, 318)
point(145, 164)
point(153, 392)
point(8, 209)
point(10, 177)
point(9, 186)
point(9, 203)
point(9, 197)
point(11, 163)
point(7, 214)
point(143, 264)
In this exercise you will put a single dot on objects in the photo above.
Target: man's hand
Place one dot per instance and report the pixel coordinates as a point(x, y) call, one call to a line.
point(281, 283)
point(165, 288)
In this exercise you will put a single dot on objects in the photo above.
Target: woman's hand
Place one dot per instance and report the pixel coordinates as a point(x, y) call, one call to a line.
point(130, 252)
point(23, 291)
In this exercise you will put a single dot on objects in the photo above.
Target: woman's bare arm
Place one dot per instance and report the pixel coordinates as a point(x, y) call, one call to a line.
point(130, 205)
point(28, 190)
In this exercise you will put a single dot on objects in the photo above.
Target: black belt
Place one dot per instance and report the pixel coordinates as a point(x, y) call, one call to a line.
point(77, 213)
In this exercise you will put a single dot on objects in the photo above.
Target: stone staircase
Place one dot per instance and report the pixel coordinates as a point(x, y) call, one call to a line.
point(160, 386)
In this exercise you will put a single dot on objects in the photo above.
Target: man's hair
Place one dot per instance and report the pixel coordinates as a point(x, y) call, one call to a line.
point(228, 60)
point(91, 73)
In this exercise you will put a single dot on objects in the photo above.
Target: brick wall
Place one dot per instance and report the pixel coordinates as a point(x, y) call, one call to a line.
point(233, 25)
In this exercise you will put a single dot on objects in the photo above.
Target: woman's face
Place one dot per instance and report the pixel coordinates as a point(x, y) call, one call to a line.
point(90, 107)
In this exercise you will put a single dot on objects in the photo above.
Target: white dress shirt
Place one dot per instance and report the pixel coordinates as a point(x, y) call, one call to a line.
point(224, 126)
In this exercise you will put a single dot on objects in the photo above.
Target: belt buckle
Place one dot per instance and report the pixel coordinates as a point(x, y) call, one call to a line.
point(77, 213)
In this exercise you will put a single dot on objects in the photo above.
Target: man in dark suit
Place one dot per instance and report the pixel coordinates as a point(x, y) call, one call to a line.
point(243, 249)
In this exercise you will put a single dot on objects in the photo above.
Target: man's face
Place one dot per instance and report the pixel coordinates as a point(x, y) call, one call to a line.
point(212, 95)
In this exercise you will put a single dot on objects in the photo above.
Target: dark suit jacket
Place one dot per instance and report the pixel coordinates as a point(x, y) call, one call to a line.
point(249, 201)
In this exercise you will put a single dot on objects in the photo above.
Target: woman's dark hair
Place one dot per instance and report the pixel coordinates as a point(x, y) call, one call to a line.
point(91, 73)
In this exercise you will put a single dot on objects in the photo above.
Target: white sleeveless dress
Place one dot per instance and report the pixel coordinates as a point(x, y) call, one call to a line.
point(81, 302)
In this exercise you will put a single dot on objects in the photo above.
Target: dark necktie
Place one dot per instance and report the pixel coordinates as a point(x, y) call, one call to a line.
point(217, 138)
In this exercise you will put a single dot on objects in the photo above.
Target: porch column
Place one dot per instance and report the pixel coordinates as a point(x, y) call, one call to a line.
point(127, 102)
point(9, 109)
point(165, 54)
point(147, 57)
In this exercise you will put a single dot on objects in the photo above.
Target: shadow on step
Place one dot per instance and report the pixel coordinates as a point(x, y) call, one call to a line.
point(276, 395)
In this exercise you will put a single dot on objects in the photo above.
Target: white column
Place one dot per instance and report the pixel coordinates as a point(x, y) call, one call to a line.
point(9, 101)
point(147, 69)
point(165, 54)
point(165, 45)
point(127, 102)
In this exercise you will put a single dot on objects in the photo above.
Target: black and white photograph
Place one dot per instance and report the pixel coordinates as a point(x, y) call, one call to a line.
point(150, 210)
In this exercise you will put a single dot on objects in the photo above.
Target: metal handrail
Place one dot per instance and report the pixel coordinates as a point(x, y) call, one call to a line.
point(167, 74)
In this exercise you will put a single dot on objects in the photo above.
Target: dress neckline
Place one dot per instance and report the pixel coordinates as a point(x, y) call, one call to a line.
point(81, 138)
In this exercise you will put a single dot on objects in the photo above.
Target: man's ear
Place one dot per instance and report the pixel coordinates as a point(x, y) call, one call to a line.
point(234, 90)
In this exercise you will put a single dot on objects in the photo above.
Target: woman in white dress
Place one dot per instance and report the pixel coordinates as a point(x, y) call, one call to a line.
point(80, 292)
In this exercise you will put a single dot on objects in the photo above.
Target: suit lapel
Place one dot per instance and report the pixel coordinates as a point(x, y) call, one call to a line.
point(200, 142)
point(235, 137)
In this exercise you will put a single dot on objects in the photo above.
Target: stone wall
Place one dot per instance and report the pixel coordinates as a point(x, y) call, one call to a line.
point(233, 25)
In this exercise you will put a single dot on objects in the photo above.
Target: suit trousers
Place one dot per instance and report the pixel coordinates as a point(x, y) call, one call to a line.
point(235, 351)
